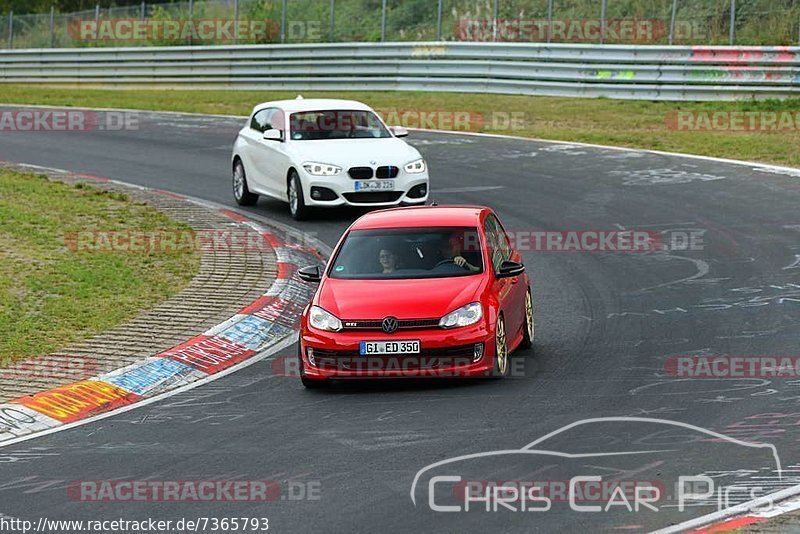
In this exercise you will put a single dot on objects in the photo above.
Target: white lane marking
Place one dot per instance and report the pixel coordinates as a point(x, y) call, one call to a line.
point(794, 265)
point(468, 189)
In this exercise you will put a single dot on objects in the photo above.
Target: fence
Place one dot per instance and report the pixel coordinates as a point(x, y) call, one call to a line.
point(679, 22)
point(614, 71)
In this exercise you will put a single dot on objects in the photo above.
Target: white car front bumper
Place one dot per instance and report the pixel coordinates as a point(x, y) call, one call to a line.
point(318, 191)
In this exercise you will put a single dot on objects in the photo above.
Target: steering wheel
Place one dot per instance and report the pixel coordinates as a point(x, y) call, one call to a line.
point(445, 261)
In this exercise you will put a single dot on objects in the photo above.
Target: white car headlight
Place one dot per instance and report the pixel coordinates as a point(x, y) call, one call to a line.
point(321, 169)
point(415, 167)
point(323, 320)
point(464, 316)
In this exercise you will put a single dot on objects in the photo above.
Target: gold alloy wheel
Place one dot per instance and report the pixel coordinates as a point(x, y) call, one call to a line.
point(529, 315)
point(501, 347)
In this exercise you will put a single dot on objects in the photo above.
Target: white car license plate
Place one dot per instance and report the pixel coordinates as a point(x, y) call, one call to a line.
point(389, 347)
point(374, 185)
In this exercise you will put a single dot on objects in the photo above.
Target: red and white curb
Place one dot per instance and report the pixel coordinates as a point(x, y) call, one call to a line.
point(261, 328)
point(740, 516)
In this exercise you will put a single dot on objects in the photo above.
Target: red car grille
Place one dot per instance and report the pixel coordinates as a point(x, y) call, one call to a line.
point(370, 324)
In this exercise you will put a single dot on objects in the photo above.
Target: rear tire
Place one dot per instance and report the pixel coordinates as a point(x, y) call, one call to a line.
point(528, 329)
point(297, 202)
point(241, 192)
point(501, 363)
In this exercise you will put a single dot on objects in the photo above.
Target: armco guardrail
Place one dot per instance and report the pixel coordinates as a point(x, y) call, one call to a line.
point(614, 71)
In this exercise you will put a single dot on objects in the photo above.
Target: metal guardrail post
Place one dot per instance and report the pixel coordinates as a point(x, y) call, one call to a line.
point(603, 7)
point(283, 21)
point(439, 21)
point(52, 26)
point(383, 20)
point(97, 21)
point(333, 21)
point(10, 29)
point(733, 22)
point(235, 21)
point(672, 21)
point(144, 10)
point(549, 20)
point(494, 21)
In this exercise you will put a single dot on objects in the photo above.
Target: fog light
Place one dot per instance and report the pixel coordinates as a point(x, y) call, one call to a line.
point(323, 193)
point(310, 356)
point(418, 191)
point(478, 354)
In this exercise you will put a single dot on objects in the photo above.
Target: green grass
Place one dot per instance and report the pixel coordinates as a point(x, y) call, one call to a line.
point(626, 123)
point(50, 295)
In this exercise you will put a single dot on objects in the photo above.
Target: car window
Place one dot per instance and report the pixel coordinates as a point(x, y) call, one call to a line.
point(267, 119)
point(408, 253)
point(497, 242)
point(336, 124)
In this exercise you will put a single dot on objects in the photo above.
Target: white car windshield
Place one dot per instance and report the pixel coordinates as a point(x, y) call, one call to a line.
point(409, 253)
point(336, 124)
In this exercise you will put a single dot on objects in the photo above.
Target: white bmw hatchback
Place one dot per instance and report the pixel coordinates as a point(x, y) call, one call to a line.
point(325, 153)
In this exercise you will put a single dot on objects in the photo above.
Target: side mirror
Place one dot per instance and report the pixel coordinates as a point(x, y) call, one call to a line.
point(510, 269)
point(399, 131)
point(273, 135)
point(312, 274)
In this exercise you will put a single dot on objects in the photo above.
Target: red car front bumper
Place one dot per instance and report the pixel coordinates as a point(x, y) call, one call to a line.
point(462, 352)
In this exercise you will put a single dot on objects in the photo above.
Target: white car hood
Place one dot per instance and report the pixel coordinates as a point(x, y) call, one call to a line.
point(348, 153)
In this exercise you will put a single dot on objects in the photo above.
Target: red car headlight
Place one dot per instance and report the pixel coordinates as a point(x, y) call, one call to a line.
point(463, 316)
point(322, 319)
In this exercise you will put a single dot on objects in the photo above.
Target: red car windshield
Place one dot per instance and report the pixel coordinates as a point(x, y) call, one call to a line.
point(408, 253)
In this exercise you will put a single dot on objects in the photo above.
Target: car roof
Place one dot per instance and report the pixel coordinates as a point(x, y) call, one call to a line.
point(313, 104)
point(422, 216)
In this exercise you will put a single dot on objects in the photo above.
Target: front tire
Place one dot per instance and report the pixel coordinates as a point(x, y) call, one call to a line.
point(241, 192)
point(313, 384)
point(501, 363)
point(297, 202)
point(307, 382)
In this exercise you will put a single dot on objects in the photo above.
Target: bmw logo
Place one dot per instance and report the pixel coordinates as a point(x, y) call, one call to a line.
point(390, 325)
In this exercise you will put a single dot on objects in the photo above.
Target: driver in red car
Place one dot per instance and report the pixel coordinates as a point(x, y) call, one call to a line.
point(454, 248)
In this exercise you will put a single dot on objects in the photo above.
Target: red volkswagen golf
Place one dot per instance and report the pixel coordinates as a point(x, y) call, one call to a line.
point(415, 292)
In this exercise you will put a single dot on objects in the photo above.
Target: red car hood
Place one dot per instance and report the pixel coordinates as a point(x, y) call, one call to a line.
point(405, 299)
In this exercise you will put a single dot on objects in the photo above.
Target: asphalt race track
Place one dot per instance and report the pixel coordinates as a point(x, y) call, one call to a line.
point(607, 325)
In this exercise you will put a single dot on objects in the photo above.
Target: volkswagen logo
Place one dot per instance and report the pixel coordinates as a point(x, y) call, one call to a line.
point(390, 325)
